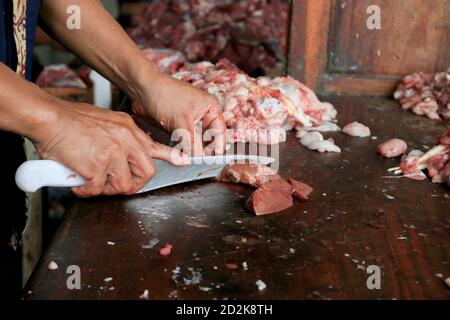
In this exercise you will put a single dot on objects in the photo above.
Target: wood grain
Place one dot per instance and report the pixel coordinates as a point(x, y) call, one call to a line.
point(315, 250)
point(414, 36)
point(308, 40)
point(359, 85)
point(332, 50)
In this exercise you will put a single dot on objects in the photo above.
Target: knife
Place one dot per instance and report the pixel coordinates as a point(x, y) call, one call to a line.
point(35, 174)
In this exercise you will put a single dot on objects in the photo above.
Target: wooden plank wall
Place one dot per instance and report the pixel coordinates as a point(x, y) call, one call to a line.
point(333, 51)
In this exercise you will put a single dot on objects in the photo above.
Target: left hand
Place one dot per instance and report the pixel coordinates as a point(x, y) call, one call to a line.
point(175, 104)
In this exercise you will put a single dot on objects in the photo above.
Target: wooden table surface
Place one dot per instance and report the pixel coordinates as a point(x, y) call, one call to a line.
point(318, 249)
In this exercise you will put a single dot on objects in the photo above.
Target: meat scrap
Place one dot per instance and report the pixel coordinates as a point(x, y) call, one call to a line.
point(301, 190)
point(166, 250)
point(392, 148)
point(260, 110)
point(324, 127)
point(356, 129)
point(60, 76)
point(167, 60)
point(254, 175)
point(315, 141)
point(264, 201)
point(274, 194)
point(436, 161)
point(426, 94)
point(409, 165)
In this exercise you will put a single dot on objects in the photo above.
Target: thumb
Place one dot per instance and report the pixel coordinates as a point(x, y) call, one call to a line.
point(172, 155)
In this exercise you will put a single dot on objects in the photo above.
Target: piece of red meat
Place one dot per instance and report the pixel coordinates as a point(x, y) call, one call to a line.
point(166, 250)
point(301, 190)
point(269, 201)
point(277, 183)
point(253, 34)
point(274, 194)
point(251, 174)
point(59, 76)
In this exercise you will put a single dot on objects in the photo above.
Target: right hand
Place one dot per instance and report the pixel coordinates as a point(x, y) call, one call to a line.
point(106, 148)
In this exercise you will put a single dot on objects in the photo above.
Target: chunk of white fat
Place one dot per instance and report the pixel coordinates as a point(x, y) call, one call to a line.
point(270, 106)
point(52, 266)
point(144, 295)
point(261, 285)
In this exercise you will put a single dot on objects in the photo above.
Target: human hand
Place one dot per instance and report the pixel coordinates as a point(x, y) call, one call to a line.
point(105, 147)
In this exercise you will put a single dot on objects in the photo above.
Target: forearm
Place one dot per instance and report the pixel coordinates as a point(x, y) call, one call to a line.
point(101, 42)
point(24, 108)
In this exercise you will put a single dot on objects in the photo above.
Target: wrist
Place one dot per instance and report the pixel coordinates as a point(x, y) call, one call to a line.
point(142, 75)
point(148, 86)
point(46, 120)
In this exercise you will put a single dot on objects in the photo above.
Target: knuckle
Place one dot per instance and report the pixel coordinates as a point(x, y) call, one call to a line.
point(127, 187)
point(134, 188)
point(114, 146)
point(126, 118)
point(101, 159)
point(150, 172)
point(94, 189)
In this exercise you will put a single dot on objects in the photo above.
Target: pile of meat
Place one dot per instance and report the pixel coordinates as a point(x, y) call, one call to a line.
point(62, 76)
point(273, 193)
point(259, 110)
point(167, 60)
point(251, 33)
point(426, 94)
point(436, 161)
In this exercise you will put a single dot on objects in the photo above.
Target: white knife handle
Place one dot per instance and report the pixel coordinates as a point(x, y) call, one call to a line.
point(35, 174)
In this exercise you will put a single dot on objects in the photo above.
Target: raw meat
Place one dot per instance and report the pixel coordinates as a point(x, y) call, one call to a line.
point(301, 190)
point(315, 141)
point(52, 266)
point(409, 162)
point(392, 148)
point(436, 161)
point(274, 194)
point(231, 266)
point(252, 34)
point(251, 174)
point(167, 60)
point(262, 286)
point(166, 250)
point(59, 76)
point(277, 184)
point(325, 127)
point(426, 94)
point(444, 138)
point(269, 201)
point(259, 110)
point(356, 129)
point(409, 165)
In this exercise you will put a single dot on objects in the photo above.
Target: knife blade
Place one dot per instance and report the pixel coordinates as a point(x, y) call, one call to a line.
point(200, 168)
point(35, 174)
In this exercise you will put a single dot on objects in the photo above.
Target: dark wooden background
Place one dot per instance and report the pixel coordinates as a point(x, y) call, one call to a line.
point(333, 51)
